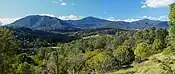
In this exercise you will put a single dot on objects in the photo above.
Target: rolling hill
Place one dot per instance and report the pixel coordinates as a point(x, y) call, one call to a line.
point(29, 38)
point(48, 23)
point(89, 22)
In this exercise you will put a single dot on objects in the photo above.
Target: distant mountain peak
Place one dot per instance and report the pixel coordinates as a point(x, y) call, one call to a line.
point(41, 22)
point(91, 18)
point(41, 16)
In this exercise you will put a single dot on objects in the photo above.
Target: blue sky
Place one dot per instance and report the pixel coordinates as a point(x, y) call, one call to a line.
point(127, 10)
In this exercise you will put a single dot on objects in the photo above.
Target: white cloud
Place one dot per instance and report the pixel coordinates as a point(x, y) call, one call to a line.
point(63, 3)
point(70, 17)
point(5, 21)
point(157, 3)
point(162, 18)
point(130, 20)
point(74, 17)
point(144, 6)
point(51, 15)
point(60, 2)
point(126, 20)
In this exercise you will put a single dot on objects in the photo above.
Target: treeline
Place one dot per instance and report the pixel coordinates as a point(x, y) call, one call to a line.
point(29, 38)
point(100, 54)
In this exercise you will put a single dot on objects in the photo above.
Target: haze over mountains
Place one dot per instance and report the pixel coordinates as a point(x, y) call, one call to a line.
point(52, 23)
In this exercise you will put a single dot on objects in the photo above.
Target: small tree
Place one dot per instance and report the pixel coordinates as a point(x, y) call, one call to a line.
point(8, 50)
point(142, 51)
point(157, 45)
point(124, 54)
point(25, 68)
point(172, 15)
point(172, 20)
point(169, 50)
point(101, 62)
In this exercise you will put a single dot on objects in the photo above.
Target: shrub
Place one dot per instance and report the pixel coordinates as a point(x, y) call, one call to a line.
point(168, 50)
point(100, 62)
point(157, 46)
point(142, 51)
point(124, 54)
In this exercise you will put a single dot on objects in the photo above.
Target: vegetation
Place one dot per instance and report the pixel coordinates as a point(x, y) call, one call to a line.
point(148, 51)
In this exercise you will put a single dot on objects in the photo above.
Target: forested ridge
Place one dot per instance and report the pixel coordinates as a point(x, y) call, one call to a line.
point(103, 51)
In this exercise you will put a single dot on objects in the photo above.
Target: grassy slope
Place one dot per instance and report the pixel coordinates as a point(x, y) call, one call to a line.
point(155, 65)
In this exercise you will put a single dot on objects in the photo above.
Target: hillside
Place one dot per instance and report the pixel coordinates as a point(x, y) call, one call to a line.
point(48, 23)
point(89, 22)
point(36, 38)
point(45, 23)
point(157, 64)
point(87, 37)
point(94, 51)
point(92, 22)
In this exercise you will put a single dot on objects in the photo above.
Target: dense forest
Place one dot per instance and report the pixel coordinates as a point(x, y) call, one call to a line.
point(96, 51)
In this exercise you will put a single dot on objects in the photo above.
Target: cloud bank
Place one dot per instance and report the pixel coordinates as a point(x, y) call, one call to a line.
point(161, 18)
point(75, 17)
point(5, 21)
point(157, 3)
point(70, 17)
point(126, 20)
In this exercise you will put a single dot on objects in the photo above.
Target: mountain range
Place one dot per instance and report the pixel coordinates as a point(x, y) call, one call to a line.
point(48, 23)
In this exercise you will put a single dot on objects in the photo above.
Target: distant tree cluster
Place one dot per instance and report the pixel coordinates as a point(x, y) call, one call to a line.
point(101, 54)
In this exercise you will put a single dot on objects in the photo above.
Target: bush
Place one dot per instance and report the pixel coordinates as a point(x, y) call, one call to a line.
point(124, 54)
point(168, 50)
point(100, 62)
point(157, 46)
point(142, 51)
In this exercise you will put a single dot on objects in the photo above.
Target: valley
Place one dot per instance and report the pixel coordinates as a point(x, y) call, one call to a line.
point(87, 37)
